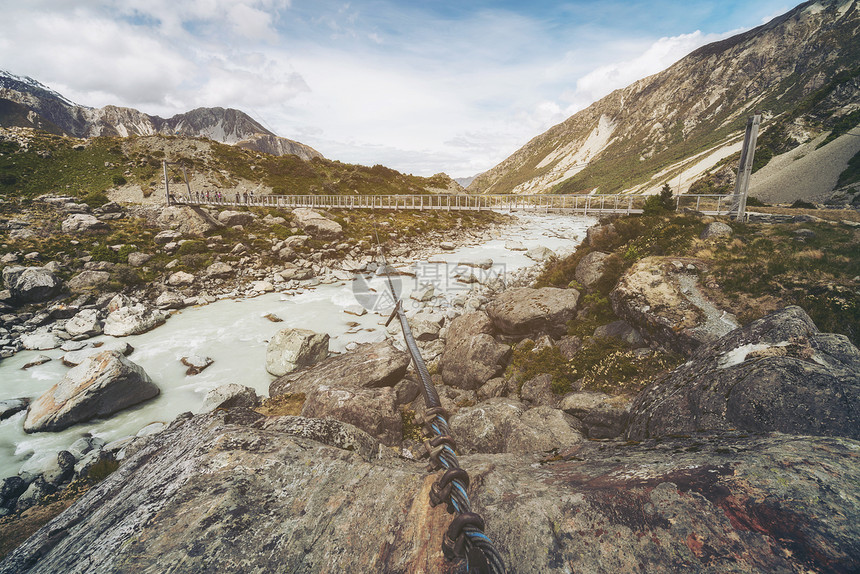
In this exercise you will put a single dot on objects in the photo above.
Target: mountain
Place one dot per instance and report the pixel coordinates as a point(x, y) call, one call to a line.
point(25, 102)
point(802, 70)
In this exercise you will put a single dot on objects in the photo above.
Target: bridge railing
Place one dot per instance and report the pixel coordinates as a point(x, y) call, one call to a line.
point(583, 204)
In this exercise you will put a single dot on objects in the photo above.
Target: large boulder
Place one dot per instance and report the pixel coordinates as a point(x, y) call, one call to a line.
point(231, 218)
point(372, 365)
point(31, 284)
point(133, 320)
point(472, 356)
point(233, 491)
point(88, 280)
point(776, 374)
point(229, 396)
point(590, 268)
point(660, 298)
point(82, 222)
point(220, 270)
point(84, 324)
point(372, 410)
point(98, 387)
point(602, 416)
point(316, 225)
point(292, 349)
point(525, 312)
point(188, 220)
point(507, 425)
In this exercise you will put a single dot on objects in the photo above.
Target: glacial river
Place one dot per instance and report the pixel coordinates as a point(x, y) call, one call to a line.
point(235, 332)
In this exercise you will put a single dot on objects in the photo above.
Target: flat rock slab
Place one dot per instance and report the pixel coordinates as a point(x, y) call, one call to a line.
point(236, 492)
point(98, 387)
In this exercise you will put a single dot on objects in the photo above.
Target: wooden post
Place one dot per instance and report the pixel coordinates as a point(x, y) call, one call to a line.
point(745, 166)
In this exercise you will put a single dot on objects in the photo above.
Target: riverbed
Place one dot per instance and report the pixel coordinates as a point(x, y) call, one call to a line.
point(235, 332)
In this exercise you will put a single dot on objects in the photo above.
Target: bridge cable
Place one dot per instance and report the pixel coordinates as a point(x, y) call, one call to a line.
point(465, 539)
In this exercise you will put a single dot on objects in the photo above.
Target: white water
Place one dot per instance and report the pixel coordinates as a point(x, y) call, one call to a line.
point(234, 333)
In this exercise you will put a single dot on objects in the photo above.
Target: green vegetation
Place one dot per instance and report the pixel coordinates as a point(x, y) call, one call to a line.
point(851, 173)
point(657, 204)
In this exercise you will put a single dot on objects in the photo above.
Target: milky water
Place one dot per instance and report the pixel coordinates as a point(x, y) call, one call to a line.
point(234, 332)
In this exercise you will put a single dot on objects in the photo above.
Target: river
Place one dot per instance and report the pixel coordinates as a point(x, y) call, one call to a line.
point(235, 332)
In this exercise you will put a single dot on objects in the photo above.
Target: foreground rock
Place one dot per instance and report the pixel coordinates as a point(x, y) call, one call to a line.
point(659, 296)
point(524, 312)
point(98, 387)
point(292, 349)
point(776, 374)
point(237, 492)
point(472, 356)
point(31, 284)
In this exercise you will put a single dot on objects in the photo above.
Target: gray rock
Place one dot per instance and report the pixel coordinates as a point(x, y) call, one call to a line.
point(292, 349)
point(372, 410)
point(133, 320)
point(231, 218)
point(590, 268)
point(480, 263)
point(776, 374)
point(31, 284)
point(85, 324)
point(372, 365)
point(36, 491)
point(167, 236)
point(42, 341)
point(512, 245)
point(88, 280)
point(180, 279)
point(40, 360)
point(620, 330)
point(75, 358)
point(81, 223)
point(170, 300)
point(472, 356)
point(138, 259)
point(523, 312)
point(229, 396)
point(294, 494)
point(9, 407)
point(601, 415)
point(59, 468)
point(715, 229)
point(196, 364)
point(316, 225)
point(187, 220)
point(537, 391)
point(540, 253)
point(100, 386)
point(12, 487)
point(220, 270)
point(493, 388)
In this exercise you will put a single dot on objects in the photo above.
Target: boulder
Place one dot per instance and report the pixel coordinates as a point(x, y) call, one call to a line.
point(372, 410)
point(231, 218)
point(262, 287)
point(220, 270)
point(133, 320)
point(512, 245)
point(84, 324)
point(229, 396)
point(472, 356)
point(235, 491)
point(526, 312)
point(98, 387)
point(316, 225)
point(661, 300)
point(167, 236)
point(88, 280)
point(537, 391)
point(507, 425)
point(40, 360)
point(75, 358)
point(40, 341)
point(138, 259)
point(590, 268)
point(715, 229)
point(292, 349)
point(601, 415)
point(776, 374)
point(620, 330)
point(540, 253)
point(371, 365)
point(180, 279)
point(196, 364)
point(170, 300)
point(82, 223)
point(188, 220)
point(9, 407)
point(31, 284)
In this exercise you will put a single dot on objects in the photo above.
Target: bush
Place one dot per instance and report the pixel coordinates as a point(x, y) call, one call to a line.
point(800, 204)
point(8, 179)
point(662, 203)
point(192, 247)
point(119, 180)
point(95, 199)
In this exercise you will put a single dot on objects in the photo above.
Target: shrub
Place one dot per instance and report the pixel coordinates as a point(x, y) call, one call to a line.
point(801, 204)
point(119, 180)
point(95, 199)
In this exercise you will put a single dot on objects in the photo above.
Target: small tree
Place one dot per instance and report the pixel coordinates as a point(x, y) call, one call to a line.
point(666, 198)
point(657, 204)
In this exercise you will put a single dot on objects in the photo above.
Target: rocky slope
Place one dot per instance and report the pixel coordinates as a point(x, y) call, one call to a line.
point(800, 69)
point(49, 111)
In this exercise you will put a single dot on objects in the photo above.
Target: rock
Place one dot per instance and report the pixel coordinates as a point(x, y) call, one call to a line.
point(187, 220)
point(36, 491)
point(88, 281)
point(229, 396)
point(273, 318)
point(601, 415)
point(472, 356)
point(296, 241)
point(231, 218)
point(196, 364)
point(10, 407)
point(59, 468)
point(356, 310)
point(273, 220)
point(524, 311)
point(424, 331)
point(447, 246)
point(98, 387)
point(372, 410)
point(371, 365)
point(117, 302)
point(715, 229)
point(507, 425)
point(262, 286)
point(292, 349)
point(40, 341)
point(590, 268)
point(512, 245)
point(138, 259)
point(12, 487)
point(31, 284)
point(569, 346)
point(423, 294)
point(170, 300)
point(84, 324)
point(316, 225)
point(480, 263)
point(255, 494)
point(776, 374)
point(82, 223)
point(133, 320)
point(664, 304)
point(540, 253)
point(600, 236)
point(620, 330)
point(219, 270)
point(180, 279)
point(75, 358)
point(407, 391)
point(167, 236)
point(537, 391)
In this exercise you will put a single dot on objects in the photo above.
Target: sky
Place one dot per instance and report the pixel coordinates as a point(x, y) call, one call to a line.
point(430, 86)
